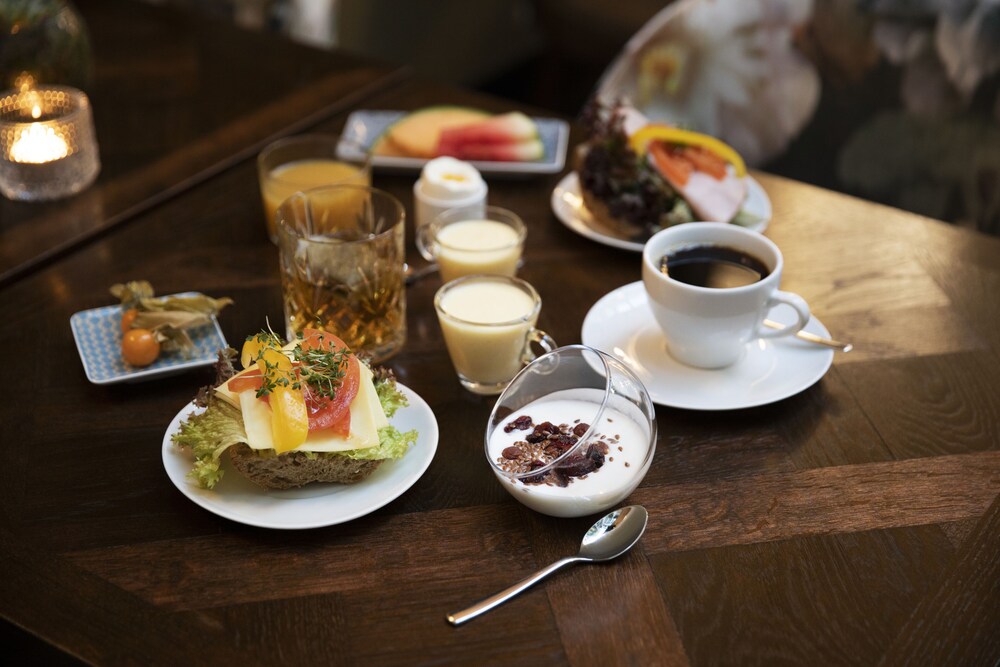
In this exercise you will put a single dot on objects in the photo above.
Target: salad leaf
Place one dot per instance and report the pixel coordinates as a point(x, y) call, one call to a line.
point(208, 435)
point(392, 444)
point(389, 394)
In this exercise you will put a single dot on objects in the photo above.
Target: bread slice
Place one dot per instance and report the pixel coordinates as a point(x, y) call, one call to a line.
point(294, 469)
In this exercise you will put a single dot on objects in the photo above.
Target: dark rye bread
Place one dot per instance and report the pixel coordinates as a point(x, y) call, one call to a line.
point(294, 469)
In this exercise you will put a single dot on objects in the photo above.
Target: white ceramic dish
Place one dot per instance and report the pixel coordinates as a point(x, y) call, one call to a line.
point(567, 204)
point(622, 325)
point(97, 333)
point(363, 127)
point(314, 505)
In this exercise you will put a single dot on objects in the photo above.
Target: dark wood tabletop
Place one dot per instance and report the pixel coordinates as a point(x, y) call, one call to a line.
point(177, 97)
point(856, 522)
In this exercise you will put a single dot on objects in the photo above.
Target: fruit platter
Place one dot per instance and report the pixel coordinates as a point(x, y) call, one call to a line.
point(511, 143)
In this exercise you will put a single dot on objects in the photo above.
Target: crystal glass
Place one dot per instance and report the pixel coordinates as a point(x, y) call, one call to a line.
point(48, 148)
point(342, 258)
point(573, 434)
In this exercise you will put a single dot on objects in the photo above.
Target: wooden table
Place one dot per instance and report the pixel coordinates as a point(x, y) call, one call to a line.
point(177, 97)
point(856, 522)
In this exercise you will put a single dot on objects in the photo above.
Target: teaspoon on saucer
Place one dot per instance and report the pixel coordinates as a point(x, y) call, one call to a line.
point(610, 537)
point(813, 338)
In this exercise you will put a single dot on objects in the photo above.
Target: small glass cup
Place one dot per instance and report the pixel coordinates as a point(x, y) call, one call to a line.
point(341, 259)
point(607, 424)
point(48, 149)
point(302, 162)
point(463, 242)
point(489, 324)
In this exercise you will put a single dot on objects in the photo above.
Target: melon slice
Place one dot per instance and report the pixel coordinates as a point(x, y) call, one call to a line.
point(417, 133)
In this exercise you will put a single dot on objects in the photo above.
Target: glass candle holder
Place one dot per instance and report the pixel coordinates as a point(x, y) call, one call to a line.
point(48, 149)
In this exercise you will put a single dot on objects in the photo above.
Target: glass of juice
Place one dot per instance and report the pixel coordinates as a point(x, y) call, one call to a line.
point(488, 324)
point(298, 163)
point(465, 242)
point(342, 266)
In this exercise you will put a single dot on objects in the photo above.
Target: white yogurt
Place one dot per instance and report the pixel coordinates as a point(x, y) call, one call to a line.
point(624, 429)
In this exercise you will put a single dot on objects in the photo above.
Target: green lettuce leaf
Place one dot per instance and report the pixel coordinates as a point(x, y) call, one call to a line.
point(391, 445)
point(389, 394)
point(208, 435)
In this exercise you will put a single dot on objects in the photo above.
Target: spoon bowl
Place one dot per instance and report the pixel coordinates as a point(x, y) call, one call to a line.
point(613, 534)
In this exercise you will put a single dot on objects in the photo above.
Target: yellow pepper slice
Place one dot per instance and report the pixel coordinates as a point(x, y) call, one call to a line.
point(674, 135)
point(250, 351)
point(289, 418)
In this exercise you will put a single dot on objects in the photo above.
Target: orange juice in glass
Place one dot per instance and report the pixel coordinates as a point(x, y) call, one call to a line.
point(301, 163)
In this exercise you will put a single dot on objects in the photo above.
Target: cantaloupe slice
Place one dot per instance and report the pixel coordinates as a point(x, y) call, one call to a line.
point(417, 133)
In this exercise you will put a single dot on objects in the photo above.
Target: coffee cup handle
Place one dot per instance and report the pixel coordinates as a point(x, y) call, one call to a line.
point(798, 304)
point(543, 340)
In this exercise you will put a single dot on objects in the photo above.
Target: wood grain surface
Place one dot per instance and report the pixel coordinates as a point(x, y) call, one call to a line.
point(854, 523)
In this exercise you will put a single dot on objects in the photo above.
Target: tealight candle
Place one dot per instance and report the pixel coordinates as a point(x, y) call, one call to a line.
point(47, 145)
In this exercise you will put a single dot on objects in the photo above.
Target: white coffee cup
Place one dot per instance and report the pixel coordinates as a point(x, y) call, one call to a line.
point(709, 327)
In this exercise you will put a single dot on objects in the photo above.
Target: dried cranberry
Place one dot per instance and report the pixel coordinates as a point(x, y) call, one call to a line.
point(513, 452)
point(521, 423)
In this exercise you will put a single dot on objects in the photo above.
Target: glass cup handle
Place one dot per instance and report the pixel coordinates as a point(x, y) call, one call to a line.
point(797, 303)
point(424, 243)
point(543, 340)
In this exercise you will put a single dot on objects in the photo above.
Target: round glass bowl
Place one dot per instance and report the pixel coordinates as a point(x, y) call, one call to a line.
point(573, 433)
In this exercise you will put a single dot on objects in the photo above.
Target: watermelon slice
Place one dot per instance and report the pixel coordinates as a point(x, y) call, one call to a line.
point(520, 151)
point(510, 137)
point(508, 128)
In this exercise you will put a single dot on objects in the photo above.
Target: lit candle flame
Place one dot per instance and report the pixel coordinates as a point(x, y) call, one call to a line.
point(36, 111)
point(38, 144)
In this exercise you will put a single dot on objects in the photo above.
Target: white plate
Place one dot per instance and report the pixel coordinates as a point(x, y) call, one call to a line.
point(98, 337)
point(313, 505)
point(567, 204)
point(364, 127)
point(622, 324)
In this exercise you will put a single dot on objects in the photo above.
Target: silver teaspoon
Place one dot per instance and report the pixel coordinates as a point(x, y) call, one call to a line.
point(813, 338)
point(609, 538)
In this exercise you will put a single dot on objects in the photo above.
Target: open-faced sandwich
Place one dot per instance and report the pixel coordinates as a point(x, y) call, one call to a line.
point(308, 411)
point(637, 177)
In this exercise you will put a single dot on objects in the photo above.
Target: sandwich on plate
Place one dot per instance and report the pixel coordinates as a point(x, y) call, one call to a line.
point(638, 177)
point(302, 412)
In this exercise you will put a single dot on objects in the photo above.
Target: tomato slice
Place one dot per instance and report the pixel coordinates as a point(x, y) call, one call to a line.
point(326, 413)
point(252, 380)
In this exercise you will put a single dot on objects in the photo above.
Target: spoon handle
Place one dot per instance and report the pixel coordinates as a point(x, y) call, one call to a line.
point(498, 599)
point(813, 338)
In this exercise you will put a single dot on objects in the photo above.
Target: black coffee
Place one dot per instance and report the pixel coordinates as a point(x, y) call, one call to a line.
point(716, 266)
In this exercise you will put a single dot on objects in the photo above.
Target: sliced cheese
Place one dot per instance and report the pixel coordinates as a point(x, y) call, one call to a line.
point(367, 417)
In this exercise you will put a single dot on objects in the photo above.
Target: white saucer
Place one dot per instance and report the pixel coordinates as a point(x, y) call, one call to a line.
point(622, 325)
point(567, 204)
point(314, 505)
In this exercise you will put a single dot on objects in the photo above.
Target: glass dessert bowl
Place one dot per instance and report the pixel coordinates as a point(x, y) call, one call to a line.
point(573, 433)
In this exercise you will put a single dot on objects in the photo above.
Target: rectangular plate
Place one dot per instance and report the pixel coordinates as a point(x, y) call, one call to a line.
point(98, 336)
point(364, 127)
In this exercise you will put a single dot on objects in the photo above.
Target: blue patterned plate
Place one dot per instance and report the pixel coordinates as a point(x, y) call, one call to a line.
point(98, 339)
